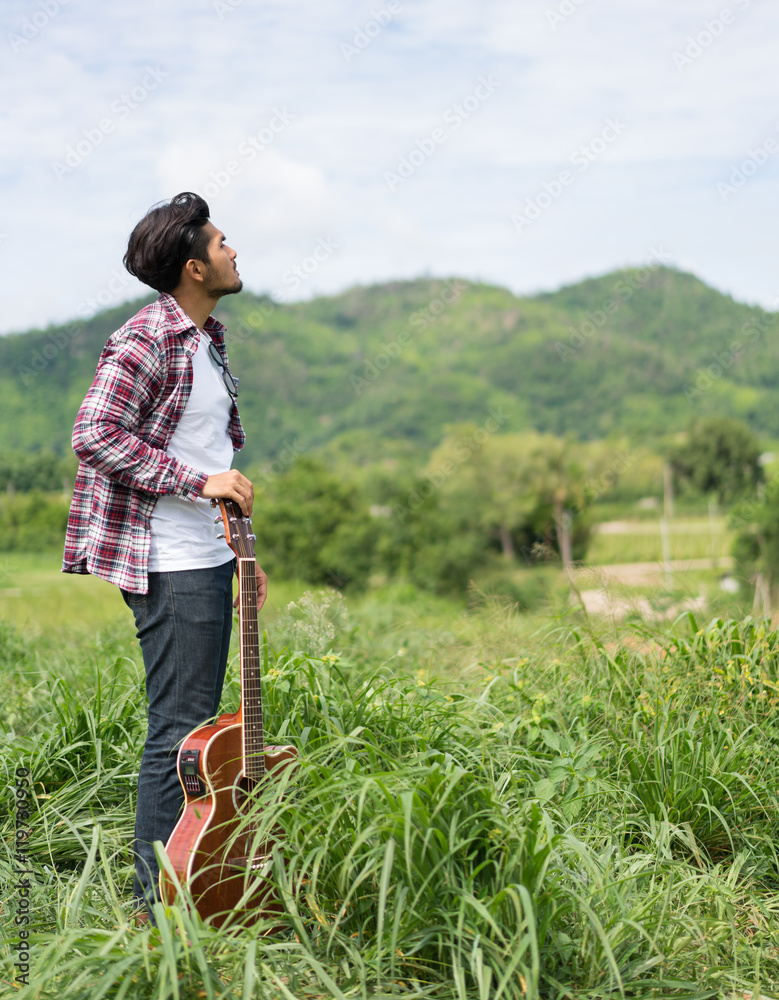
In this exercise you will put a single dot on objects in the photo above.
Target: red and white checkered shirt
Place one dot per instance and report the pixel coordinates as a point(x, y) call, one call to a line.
point(142, 384)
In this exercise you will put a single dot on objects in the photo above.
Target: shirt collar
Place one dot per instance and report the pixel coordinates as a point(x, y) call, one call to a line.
point(181, 323)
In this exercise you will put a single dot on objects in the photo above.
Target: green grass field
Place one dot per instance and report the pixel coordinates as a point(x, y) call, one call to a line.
point(488, 804)
point(641, 541)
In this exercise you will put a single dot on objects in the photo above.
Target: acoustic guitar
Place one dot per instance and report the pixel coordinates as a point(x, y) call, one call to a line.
point(213, 849)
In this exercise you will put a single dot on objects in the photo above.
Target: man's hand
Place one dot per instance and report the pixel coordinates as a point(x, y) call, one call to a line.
point(262, 587)
point(231, 486)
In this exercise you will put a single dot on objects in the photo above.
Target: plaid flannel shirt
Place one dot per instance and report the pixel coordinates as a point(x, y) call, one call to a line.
point(122, 431)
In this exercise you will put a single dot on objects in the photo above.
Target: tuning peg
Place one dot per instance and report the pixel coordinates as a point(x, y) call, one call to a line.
point(217, 519)
point(221, 536)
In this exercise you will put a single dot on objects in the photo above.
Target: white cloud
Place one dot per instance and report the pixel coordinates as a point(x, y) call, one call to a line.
point(353, 120)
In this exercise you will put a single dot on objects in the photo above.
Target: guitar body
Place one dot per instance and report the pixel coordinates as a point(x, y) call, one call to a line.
point(205, 851)
point(212, 849)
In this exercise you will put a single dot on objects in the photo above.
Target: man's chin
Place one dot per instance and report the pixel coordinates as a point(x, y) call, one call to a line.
point(232, 290)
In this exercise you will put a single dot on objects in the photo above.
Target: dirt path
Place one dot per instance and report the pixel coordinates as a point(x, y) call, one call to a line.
point(602, 588)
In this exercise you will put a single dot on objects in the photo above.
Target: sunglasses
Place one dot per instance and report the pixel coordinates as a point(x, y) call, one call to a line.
point(227, 378)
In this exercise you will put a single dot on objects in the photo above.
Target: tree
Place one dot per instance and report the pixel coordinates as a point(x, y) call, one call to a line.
point(427, 541)
point(720, 456)
point(21, 472)
point(560, 484)
point(522, 488)
point(311, 526)
point(487, 479)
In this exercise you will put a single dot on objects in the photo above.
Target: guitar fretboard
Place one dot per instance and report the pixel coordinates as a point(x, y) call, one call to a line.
point(251, 685)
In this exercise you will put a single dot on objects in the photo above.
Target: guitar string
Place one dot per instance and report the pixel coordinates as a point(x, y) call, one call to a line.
point(252, 730)
point(253, 735)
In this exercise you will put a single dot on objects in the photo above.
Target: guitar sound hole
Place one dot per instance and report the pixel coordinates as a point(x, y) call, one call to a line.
point(242, 790)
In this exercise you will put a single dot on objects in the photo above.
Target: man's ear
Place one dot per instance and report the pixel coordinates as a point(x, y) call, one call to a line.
point(194, 270)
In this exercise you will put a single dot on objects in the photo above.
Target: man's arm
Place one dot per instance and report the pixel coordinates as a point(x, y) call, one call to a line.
point(105, 437)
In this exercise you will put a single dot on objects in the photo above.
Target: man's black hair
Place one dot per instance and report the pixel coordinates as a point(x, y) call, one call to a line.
point(169, 235)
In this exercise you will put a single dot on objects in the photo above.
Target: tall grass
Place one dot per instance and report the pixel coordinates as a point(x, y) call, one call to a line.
point(576, 815)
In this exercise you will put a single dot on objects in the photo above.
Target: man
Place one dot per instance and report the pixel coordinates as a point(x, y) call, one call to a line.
point(155, 437)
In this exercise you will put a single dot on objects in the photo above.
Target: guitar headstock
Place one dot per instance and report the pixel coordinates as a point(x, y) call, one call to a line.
point(238, 528)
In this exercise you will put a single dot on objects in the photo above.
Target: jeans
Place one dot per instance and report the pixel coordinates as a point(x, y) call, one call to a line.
point(184, 625)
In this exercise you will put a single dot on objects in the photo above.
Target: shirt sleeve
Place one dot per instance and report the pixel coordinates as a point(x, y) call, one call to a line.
point(106, 434)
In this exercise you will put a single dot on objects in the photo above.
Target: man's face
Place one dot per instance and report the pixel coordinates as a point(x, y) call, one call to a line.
point(221, 275)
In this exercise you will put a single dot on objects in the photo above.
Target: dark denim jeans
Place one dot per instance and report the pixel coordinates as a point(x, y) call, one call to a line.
point(183, 625)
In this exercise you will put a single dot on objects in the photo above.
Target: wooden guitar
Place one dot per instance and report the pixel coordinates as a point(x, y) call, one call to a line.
point(212, 848)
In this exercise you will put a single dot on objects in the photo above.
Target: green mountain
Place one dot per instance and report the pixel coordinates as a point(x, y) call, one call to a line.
point(386, 368)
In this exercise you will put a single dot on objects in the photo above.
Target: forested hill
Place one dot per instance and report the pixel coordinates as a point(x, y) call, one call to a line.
point(640, 352)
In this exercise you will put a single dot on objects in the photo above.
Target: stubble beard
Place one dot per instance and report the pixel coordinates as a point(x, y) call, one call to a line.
point(218, 288)
point(220, 291)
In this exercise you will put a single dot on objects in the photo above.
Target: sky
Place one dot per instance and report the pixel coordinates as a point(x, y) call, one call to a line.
point(528, 144)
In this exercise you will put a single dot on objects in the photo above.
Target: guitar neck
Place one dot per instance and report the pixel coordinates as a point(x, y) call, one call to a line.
point(251, 679)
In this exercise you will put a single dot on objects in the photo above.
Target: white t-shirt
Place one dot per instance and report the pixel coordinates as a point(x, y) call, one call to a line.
point(183, 533)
